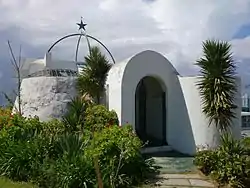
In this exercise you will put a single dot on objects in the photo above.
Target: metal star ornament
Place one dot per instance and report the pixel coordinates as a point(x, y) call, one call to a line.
point(81, 25)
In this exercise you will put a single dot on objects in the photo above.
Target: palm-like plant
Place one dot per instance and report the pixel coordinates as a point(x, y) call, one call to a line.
point(75, 114)
point(217, 83)
point(91, 82)
point(93, 77)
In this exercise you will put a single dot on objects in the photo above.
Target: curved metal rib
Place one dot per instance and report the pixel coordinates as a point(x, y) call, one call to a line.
point(81, 34)
point(77, 47)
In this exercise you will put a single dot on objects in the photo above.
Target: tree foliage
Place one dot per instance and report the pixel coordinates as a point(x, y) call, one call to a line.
point(217, 83)
point(93, 77)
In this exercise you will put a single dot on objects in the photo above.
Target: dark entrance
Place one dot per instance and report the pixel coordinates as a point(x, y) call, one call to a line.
point(150, 112)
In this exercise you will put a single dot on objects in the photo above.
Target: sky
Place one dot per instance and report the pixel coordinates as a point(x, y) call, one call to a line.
point(175, 28)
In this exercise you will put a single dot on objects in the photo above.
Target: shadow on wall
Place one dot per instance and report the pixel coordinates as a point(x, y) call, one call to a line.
point(180, 134)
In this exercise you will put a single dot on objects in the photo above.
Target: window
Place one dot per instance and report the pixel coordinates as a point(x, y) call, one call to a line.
point(245, 120)
point(245, 109)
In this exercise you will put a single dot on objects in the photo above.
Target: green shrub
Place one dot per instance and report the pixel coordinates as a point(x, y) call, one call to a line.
point(206, 161)
point(232, 165)
point(20, 160)
point(76, 172)
point(228, 164)
point(98, 116)
point(24, 145)
point(71, 168)
point(73, 120)
point(246, 144)
point(118, 150)
point(5, 116)
point(52, 155)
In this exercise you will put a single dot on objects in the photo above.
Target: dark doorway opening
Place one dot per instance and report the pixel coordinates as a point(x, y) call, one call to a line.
point(150, 112)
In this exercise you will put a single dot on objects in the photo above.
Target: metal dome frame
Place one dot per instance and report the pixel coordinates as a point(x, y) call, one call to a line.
point(80, 35)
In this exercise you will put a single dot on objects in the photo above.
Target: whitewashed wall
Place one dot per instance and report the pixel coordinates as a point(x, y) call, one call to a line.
point(204, 134)
point(46, 97)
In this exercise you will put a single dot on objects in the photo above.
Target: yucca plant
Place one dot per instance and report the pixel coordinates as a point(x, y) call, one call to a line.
point(93, 77)
point(73, 120)
point(70, 144)
point(217, 83)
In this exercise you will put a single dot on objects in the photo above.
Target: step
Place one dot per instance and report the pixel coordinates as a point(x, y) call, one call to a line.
point(149, 150)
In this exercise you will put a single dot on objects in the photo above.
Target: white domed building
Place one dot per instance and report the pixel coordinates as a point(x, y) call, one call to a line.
point(146, 91)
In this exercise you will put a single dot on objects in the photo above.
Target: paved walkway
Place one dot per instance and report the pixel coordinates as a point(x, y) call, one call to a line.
point(177, 171)
point(180, 181)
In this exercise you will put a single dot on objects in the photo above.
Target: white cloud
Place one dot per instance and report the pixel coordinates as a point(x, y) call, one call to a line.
point(241, 47)
point(175, 28)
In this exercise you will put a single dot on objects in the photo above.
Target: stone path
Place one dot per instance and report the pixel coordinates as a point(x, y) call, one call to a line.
point(177, 171)
point(173, 162)
point(174, 165)
point(180, 181)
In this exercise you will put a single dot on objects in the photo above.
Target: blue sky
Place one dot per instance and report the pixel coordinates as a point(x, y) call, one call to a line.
point(175, 28)
point(243, 32)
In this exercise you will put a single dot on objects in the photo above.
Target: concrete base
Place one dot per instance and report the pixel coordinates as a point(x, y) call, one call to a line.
point(149, 150)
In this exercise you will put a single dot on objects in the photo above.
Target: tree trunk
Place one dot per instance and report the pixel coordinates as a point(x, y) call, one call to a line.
point(98, 173)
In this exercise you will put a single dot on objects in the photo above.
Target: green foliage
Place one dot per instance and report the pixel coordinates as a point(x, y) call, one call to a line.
point(49, 154)
point(24, 145)
point(5, 183)
point(5, 117)
point(118, 149)
point(20, 160)
point(76, 172)
point(246, 144)
point(74, 119)
point(70, 168)
point(98, 117)
point(93, 77)
point(206, 161)
point(70, 145)
point(217, 83)
point(228, 164)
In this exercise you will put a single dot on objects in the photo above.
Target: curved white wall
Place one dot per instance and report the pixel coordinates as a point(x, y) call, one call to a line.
point(46, 97)
point(204, 134)
point(123, 79)
point(187, 127)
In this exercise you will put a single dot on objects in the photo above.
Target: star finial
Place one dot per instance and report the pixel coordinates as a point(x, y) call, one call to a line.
point(81, 25)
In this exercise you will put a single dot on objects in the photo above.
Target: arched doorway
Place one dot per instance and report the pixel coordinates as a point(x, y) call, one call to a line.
point(150, 111)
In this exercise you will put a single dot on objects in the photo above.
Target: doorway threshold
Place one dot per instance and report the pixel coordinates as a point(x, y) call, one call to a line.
point(148, 150)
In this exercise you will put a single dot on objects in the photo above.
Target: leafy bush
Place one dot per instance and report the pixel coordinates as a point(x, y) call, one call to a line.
point(76, 172)
point(74, 119)
point(98, 116)
point(24, 145)
point(246, 144)
point(51, 154)
point(118, 149)
point(228, 164)
point(71, 168)
point(206, 161)
point(5, 117)
point(21, 160)
point(232, 165)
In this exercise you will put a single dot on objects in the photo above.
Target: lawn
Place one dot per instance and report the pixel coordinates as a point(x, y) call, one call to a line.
point(5, 183)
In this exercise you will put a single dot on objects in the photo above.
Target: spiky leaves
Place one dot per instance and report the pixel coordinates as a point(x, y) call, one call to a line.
point(217, 83)
point(93, 77)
